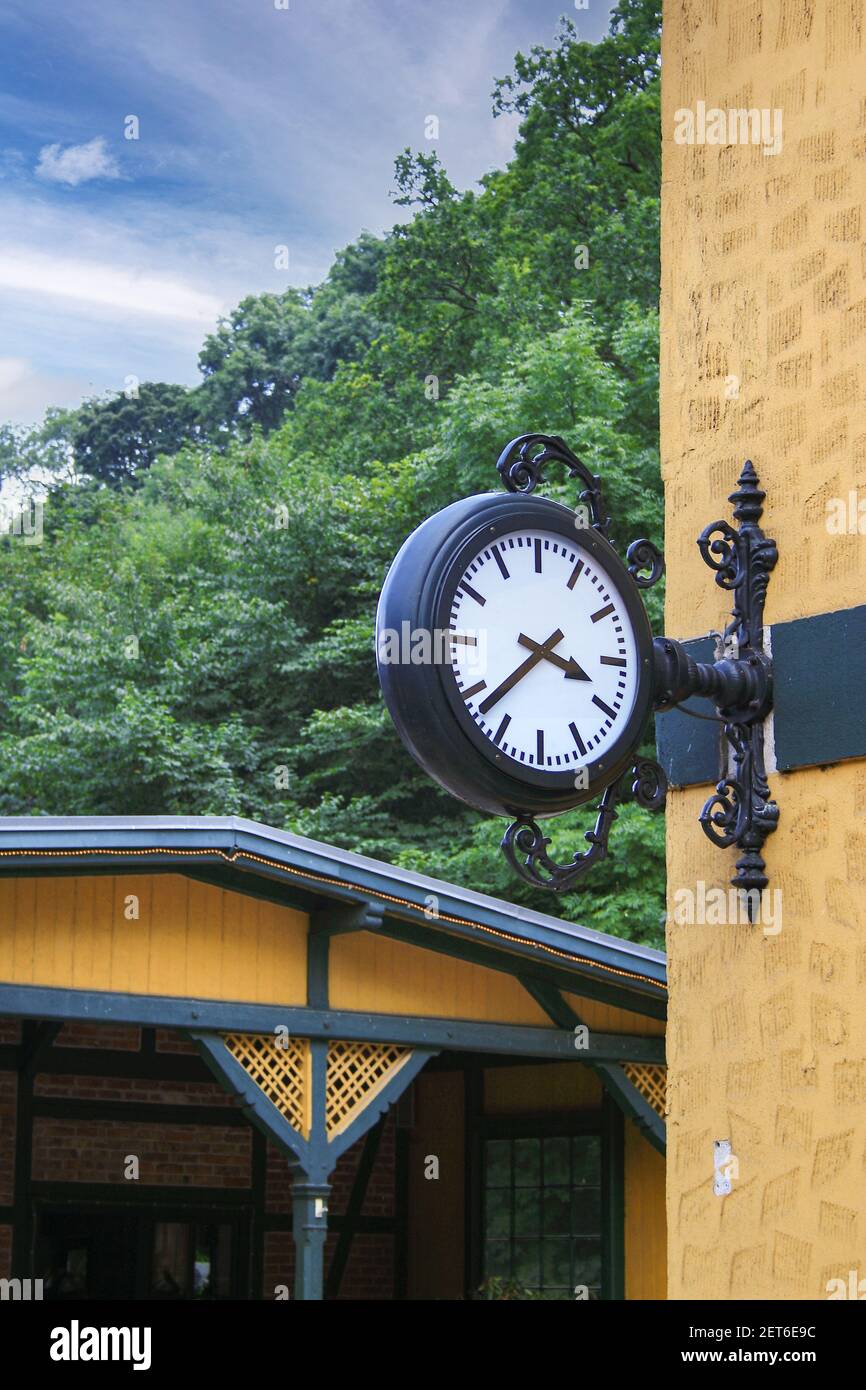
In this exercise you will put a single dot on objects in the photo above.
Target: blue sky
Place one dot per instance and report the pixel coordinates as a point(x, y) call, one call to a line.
point(258, 127)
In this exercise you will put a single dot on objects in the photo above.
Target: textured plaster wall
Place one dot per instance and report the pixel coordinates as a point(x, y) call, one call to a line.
point(763, 333)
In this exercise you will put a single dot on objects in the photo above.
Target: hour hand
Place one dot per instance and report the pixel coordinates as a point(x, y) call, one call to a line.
point(573, 671)
point(540, 650)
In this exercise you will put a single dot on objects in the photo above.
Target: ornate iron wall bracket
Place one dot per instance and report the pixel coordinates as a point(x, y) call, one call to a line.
point(740, 812)
point(525, 846)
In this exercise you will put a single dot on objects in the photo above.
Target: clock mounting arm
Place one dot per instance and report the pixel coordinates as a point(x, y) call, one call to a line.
point(739, 684)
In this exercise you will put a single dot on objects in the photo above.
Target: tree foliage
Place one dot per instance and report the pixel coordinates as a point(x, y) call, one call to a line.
point(202, 641)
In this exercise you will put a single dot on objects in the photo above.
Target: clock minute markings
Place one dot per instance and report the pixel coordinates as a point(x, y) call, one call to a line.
point(473, 690)
point(472, 593)
point(581, 746)
point(575, 575)
point(596, 700)
point(497, 555)
point(613, 661)
point(497, 737)
point(603, 612)
point(539, 747)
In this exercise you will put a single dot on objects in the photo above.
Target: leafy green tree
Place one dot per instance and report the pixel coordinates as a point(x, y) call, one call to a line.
point(202, 642)
point(115, 440)
point(255, 362)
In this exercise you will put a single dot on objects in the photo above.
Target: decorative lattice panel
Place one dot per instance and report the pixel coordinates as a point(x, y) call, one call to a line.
point(650, 1081)
point(357, 1072)
point(280, 1067)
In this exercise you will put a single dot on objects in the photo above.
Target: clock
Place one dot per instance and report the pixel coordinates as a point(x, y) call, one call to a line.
point(515, 654)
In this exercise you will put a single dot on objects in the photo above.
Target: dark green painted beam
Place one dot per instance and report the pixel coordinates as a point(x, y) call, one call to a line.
point(31, 1001)
point(611, 1074)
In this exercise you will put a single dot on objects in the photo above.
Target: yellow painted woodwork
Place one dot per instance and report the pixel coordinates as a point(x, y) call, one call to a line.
point(379, 974)
point(188, 939)
point(651, 1082)
point(764, 290)
point(357, 1073)
point(645, 1224)
point(436, 1230)
point(191, 939)
point(604, 1018)
point(556, 1088)
point(281, 1068)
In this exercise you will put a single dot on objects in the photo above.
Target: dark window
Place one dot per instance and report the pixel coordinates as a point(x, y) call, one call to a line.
point(191, 1260)
point(119, 1252)
point(542, 1213)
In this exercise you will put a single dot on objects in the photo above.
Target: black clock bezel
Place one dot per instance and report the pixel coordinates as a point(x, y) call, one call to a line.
point(424, 701)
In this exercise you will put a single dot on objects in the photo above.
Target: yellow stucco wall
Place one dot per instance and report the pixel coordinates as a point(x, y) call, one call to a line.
point(763, 333)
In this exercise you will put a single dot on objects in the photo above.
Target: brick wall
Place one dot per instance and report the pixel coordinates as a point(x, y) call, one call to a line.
point(70, 1149)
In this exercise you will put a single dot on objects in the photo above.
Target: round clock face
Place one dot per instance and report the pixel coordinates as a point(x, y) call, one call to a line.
point(514, 654)
point(542, 651)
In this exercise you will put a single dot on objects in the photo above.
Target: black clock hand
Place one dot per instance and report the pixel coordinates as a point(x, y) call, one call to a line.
point(510, 681)
point(573, 672)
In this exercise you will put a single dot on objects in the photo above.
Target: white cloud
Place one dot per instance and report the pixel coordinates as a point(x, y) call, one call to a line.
point(104, 284)
point(13, 370)
point(26, 392)
point(77, 163)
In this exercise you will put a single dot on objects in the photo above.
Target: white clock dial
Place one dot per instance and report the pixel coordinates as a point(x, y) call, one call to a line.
point(542, 651)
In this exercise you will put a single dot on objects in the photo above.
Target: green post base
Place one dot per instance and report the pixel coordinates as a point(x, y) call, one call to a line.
point(310, 1229)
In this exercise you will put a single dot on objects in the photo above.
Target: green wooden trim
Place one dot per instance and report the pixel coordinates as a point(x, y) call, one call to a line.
point(379, 1104)
point(101, 1194)
point(612, 1201)
point(473, 1114)
point(98, 1061)
point(258, 1184)
point(136, 1112)
point(318, 969)
point(353, 1210)
point(207, 1015)
point(630, 1101)
point(612, 1076)
point(37, 1038)
point(337, 920)
point(401, 1212)
point(259, 1110)
point(320, 1158)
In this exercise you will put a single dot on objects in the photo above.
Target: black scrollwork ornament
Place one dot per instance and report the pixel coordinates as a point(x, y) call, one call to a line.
point(641, 556)
point(525, 845)
point(522, 463)
point(740, 811)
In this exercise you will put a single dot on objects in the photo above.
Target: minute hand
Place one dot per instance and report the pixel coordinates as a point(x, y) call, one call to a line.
point(510, 681)
point(570, 667)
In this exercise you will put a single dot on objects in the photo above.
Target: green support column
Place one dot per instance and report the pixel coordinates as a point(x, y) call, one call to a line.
point(310, 1229)
point(310, 1187)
